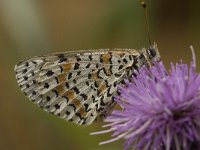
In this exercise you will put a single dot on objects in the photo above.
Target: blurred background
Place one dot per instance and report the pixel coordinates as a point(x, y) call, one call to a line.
point(30, 27)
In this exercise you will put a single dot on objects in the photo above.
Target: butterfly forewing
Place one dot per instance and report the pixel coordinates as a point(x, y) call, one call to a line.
point(79, 85)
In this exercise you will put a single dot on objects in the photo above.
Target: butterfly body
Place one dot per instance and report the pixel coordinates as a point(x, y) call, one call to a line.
point(78, 86)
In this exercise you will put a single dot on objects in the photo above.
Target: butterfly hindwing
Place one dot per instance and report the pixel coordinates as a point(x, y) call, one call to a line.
point(77, 86)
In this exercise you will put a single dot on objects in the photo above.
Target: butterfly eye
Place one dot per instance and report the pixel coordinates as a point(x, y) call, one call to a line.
point(152, 52)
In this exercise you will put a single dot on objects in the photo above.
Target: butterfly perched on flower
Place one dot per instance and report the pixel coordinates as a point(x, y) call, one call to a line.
point(79, 86)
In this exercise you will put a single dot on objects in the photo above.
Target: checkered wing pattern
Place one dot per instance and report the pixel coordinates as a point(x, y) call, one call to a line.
point(77, 86)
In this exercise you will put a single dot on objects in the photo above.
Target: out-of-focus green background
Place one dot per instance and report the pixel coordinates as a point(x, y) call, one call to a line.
point(30, 27)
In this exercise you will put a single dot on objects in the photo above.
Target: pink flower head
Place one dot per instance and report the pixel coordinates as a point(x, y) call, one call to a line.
point(160, 109)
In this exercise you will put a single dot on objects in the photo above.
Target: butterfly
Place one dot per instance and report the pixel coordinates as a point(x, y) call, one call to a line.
point(79, 86)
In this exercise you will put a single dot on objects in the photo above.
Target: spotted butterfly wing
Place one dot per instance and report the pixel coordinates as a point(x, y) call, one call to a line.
point(77, 86)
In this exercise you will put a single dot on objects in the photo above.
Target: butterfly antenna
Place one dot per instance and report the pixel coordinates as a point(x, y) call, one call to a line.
point(144, 5)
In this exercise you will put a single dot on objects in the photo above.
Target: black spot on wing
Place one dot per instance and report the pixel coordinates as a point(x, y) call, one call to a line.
point(25, 78)
point(76, 90)
point(84, 96)
point(61, 69)
point(78, 73)
point(73, 106)
point(67, 85)
point(32, 73)
point(88, 65)
point(125, 61)
point(120, 67)
point(26, 64)
point(57, 81)
point(33, 93)
point(27, 85)
point(96, 84)
point(24, 71)
point(56, 92)
point(87, 83)
point(48, 98)
point(63, 59)
point(79, 115)
point(66, 98)
point(74, 81)
point(90, 57)
point(67, 113)
point(87, 109)
point(57, 106)
point(76, 66)
point(49, 73)
point(78, 59)
point(46, 85)
point(108, 92)
point(34, 82)
point(94, 99)
point(70, 75)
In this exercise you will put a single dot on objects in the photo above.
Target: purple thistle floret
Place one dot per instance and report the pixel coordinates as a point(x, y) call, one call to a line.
point(160, 109)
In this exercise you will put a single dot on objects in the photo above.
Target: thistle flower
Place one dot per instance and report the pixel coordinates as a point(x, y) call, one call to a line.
point(160, 109)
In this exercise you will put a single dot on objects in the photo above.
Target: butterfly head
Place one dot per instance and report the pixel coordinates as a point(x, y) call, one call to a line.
point(152, 54)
